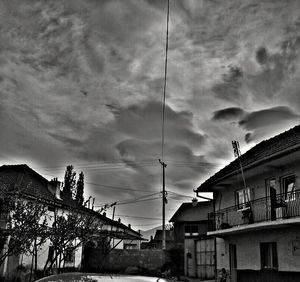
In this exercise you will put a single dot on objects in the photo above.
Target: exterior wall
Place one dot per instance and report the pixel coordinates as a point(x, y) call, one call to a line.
point(179, 232)
point(248, 249)
point(131, 244)
point(222, 255)
point(255, 179)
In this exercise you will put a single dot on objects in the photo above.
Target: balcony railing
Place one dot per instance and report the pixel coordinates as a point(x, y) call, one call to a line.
point(286, 205)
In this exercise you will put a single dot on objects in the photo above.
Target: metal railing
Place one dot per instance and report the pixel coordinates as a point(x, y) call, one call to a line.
point(282, 206)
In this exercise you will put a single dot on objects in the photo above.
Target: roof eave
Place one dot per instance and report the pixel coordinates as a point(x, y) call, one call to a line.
point(209, 186)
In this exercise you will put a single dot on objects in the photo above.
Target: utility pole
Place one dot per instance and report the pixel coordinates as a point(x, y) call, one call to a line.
point(163, 205)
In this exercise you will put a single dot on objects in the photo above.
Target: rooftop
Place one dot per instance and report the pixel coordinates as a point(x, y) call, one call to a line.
point(274, 147)
point(188, 213)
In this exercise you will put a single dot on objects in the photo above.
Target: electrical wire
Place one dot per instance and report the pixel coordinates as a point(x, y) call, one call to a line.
point(138, 217)
point(130, 200)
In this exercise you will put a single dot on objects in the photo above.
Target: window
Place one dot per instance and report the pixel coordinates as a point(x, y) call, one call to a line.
point(288, 187)
point(268, 254)
point(242, 197)
point(70, 255)
point(191, 230)
point(130, 246)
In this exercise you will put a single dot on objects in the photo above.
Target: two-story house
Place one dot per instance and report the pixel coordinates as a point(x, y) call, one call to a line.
point(257, 221)
point(29, 185)
point(197, 256)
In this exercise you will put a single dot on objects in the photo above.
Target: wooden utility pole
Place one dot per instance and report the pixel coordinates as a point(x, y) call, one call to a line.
point(163, 205)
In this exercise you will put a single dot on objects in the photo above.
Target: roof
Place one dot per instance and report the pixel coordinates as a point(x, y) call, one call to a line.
point(274, 147)
point(24, 179)
point(188, 213)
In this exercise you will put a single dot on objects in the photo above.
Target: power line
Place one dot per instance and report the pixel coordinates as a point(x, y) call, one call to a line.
point(109, 186)
point(139, 201)
point(116, 187)
point(138, 217)
point(129, 200)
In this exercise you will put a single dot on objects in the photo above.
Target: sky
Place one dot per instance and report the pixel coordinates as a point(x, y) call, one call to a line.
point(81, 83)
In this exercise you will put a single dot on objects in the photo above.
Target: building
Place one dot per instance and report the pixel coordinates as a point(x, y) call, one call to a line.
point(28, 185)
point(197, 250)
point(156, 241)
point(257, 221)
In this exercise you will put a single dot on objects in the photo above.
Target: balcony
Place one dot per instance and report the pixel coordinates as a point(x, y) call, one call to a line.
point(280, 208)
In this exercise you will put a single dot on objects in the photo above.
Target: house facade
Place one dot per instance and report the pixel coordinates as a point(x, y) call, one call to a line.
point(197, 256)
point(257, 217)
point(28, 185)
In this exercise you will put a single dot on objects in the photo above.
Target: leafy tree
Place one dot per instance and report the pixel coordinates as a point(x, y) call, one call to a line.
point(70, 182)
point(80, 188)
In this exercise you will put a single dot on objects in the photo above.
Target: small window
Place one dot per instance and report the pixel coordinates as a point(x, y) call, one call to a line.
point(191, 230)
point(242, 198)
point(268, 254)
point(288, 187)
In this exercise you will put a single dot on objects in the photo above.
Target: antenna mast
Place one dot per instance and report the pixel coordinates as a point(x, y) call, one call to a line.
point(161, 161)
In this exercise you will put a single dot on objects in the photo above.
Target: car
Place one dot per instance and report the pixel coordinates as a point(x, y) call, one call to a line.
point(96, 277)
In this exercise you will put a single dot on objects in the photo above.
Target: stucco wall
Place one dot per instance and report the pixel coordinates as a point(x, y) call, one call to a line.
point(222, 254)
point(248, 249)
point(256, 177)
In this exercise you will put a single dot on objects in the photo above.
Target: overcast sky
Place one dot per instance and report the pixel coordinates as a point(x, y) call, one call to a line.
point(81, 82)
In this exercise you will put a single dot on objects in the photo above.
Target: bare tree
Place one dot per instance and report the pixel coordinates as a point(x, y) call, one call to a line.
point(71, 229)
point(26, 227)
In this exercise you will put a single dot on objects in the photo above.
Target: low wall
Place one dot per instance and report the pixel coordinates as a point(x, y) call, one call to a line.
point(119, 260)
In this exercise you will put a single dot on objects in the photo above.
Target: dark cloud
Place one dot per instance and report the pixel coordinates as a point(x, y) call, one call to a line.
point(276, 69)
point(183, 166)
point(229, 89)
point(267, 117)
point(233, 113)
point(145, 122)
point(248, 137)
point(261, 55)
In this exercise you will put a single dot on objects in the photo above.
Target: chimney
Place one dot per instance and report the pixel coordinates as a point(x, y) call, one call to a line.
point(54, 187)
point(119, 220)
point(104, 214)
point(129, 226)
